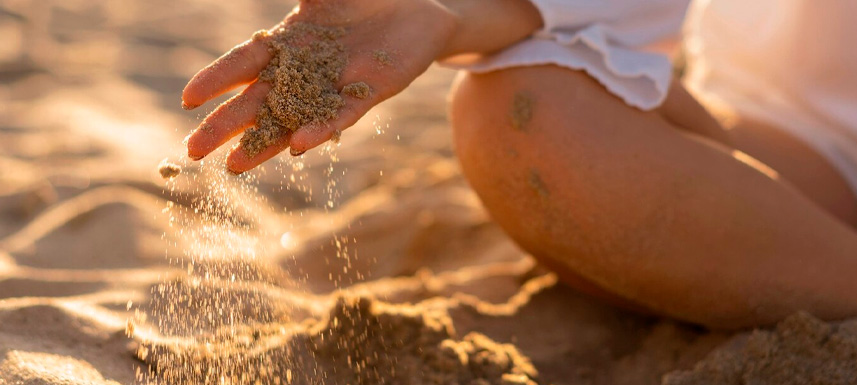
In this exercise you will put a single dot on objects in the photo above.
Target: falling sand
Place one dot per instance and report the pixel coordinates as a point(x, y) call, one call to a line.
point(307, 62)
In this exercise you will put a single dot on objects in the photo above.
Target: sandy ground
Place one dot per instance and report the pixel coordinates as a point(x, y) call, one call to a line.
point(371, 262)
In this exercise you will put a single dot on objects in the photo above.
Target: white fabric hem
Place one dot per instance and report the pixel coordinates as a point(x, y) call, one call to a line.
point(622, 44)
point(640, 79)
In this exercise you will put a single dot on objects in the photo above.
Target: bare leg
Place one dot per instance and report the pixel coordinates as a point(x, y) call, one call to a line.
point(796, 162)
point(622, 201)
point(792, 159)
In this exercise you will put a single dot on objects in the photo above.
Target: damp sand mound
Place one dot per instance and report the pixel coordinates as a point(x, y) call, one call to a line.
point(362, 341)
point(307, 61)
point(27, 368)
point(801, 350)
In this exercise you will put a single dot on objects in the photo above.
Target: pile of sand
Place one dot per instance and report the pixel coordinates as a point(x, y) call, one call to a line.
point(38, 368)
point(361, 341)
point(801, 350)
point(307, 62)
point(367, 342)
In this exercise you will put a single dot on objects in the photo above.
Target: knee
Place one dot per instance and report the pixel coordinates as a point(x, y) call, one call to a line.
point(506, 105)
point(500, 120)
point(478, 105)
point(513, 131)
point(473, 111)
point(545, 148)
point(488, 132)
point(539, 111)
point(538, 146)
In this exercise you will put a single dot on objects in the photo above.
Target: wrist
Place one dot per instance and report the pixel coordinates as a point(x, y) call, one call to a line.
point(459, 12)
point(483, 26)
point(455, 14)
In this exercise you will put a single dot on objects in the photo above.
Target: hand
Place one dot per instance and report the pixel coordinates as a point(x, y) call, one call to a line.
point(413, 32)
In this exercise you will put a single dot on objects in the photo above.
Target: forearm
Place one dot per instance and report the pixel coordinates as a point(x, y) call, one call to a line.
point(489, 25)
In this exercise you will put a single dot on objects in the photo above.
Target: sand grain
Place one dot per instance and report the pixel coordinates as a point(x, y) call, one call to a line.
point(522, 111)
point(169, 170)
point(382, 57)
point(359, 90)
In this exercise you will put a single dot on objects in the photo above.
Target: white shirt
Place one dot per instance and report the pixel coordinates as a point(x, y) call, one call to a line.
point(624, 44)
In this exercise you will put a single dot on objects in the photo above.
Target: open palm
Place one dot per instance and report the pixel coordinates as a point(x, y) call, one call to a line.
point(412, 32)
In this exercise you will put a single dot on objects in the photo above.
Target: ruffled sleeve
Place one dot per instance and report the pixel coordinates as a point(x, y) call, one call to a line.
point(623, 44)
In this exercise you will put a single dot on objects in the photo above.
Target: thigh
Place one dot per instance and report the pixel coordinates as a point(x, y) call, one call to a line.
point(798, 163)
point(628, 201)
point(793, 160)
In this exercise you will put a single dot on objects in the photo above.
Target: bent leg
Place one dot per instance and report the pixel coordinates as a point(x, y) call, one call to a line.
point(621, 200)
point(798, 163)
point(793, 159)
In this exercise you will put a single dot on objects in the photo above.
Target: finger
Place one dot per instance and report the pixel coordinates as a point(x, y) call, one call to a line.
point(361, 68)
point(238, 161)
point(241, 65)
point(229, 119)
point(310, 137)
point(307, 138)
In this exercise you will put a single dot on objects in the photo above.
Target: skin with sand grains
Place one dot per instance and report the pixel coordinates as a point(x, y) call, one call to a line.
point(541, 125)
point(302, 75)
point(374, 53)
point(298, 91)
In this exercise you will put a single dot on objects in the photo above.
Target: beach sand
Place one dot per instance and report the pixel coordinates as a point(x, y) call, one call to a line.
point(378, 267)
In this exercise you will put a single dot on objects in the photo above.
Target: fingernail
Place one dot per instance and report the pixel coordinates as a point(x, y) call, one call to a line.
point(195, 157)
point(186, 106)
point(295, 152)
point(233, 172)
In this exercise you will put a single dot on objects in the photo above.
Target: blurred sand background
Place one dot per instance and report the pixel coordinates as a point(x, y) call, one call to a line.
point(91, 237)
